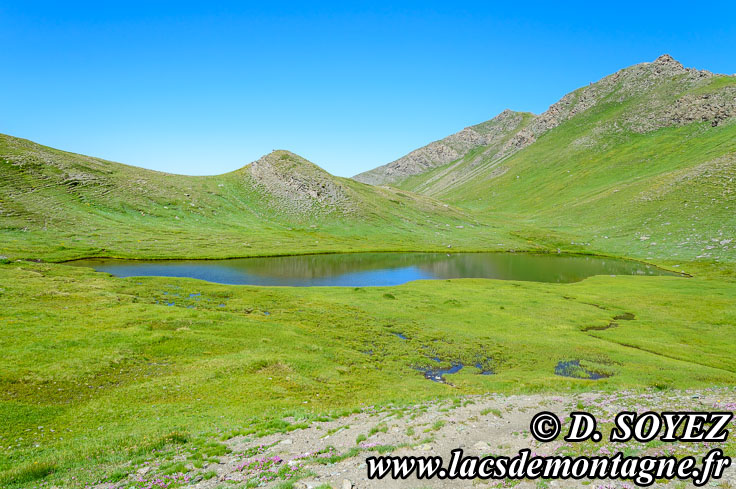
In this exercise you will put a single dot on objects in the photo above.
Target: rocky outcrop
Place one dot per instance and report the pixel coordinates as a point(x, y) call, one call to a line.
point(445, 150)
point(295, 185)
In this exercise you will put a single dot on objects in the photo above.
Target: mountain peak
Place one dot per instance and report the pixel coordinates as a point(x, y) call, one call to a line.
point(649, 95)
point(283, 153)
point(666, 65)
point(667, 59)
point(284, 161)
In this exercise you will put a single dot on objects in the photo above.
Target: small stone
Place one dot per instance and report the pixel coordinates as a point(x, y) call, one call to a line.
point(347, 484)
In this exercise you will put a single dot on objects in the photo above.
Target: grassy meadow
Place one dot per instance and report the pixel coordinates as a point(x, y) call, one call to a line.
point(98, 373)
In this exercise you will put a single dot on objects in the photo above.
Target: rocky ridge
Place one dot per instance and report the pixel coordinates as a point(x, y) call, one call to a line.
point(658, 94)
point(445, 150)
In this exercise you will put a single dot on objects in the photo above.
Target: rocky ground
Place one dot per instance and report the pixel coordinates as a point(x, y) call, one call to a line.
point(297, 185)
point(333, 453)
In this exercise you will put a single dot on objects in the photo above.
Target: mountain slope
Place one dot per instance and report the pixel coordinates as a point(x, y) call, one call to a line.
point(649, 95)
point(487, 134)
point(63, 205)
point(640, 163)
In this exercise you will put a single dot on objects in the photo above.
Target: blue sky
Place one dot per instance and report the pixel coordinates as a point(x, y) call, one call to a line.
point(197, 88)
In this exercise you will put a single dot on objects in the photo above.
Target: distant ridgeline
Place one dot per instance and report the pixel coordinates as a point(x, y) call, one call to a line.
point(640, 163)
point(648, 96)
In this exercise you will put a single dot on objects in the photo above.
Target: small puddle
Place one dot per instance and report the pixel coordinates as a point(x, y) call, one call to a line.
point(479, 366)
point(401, 336)
point(627, 316)
point(572, 369)
point(437, 374)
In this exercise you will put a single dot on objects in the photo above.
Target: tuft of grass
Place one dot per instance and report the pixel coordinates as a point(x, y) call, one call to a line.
point(26, 473)
point(493, 411)
point(379, 428)
point(436, 426)
point(173, 468)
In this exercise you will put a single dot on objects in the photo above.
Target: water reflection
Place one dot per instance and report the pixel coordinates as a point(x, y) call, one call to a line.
point(371, 269)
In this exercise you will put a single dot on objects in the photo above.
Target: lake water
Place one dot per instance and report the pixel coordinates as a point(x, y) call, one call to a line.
point(371, 269)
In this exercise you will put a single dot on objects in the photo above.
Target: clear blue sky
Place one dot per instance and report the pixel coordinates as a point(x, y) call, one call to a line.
point(196, 88)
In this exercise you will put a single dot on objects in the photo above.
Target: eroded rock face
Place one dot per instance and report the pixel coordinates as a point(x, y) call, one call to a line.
point(715, 108)
point(445, 150)
point(297, 185)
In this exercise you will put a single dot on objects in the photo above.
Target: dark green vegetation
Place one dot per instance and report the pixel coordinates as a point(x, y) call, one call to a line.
point(94, 372)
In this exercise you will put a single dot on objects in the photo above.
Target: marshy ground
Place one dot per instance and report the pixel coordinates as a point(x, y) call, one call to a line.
point(127, 371)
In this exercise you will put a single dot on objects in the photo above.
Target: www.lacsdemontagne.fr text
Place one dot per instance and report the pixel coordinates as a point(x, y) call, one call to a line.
point(643, 471)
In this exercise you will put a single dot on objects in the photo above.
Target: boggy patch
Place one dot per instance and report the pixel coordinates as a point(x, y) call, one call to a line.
point(484, 370)
point(626, 316)
point(437, 373)
point(600, 327)
point(573, 369)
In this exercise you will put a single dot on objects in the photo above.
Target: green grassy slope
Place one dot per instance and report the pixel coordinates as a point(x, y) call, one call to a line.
point(474, 139)
point(56, 205)
point(82, 395)
point(648, 196)
point(641, 163)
